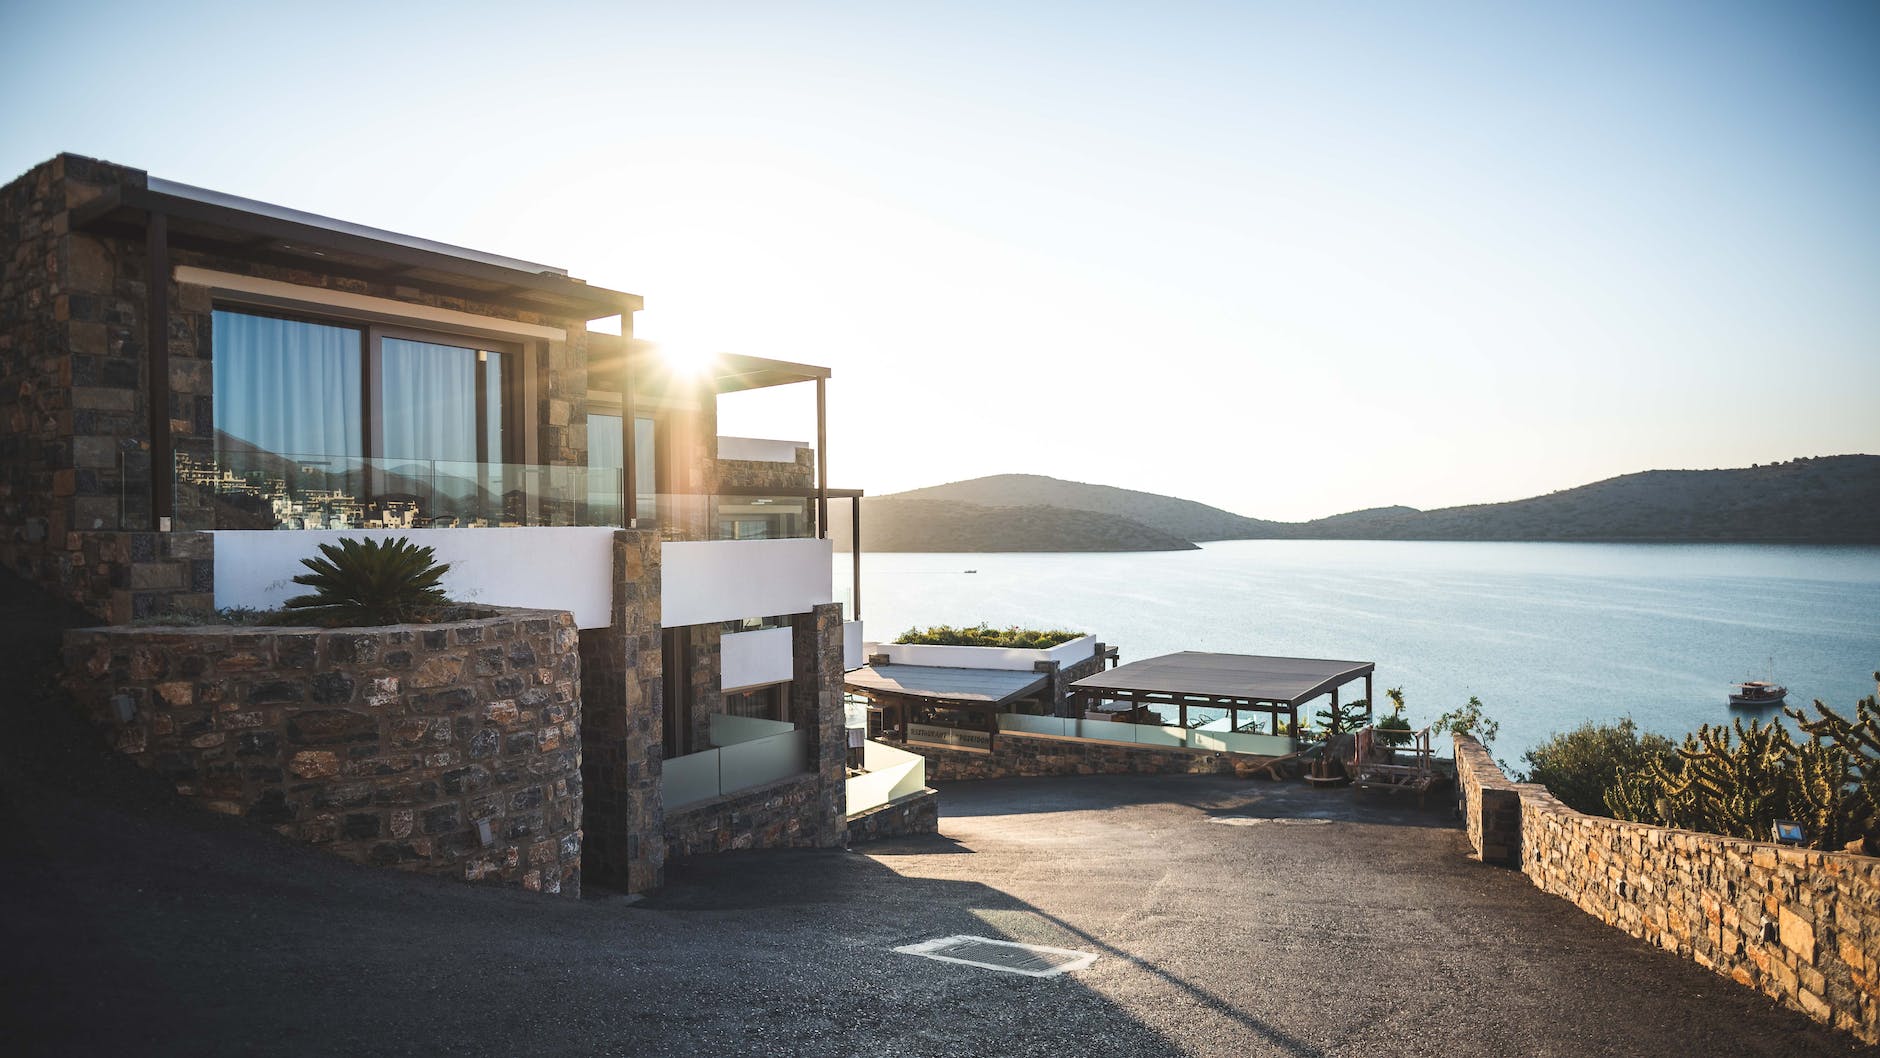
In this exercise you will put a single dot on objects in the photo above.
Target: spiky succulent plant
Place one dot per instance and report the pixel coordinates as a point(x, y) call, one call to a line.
point(371, 582)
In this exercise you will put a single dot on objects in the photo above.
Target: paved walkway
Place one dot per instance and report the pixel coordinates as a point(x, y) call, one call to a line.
point(130, 924)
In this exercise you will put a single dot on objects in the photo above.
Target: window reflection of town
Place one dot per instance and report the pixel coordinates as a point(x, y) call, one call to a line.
point(266, 494)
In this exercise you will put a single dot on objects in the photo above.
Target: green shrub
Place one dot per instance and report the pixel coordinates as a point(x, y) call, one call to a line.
point(1394, 730)
point(1471, 719)
point(984, 635)
point(367, 582)
point(1580, 765)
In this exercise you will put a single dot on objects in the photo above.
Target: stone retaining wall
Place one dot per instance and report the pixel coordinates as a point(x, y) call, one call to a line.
point(1026, 755)
point(1803, 927)
point(400, 746)
point(786, 814)
point(1491, 805)
point(917, 813)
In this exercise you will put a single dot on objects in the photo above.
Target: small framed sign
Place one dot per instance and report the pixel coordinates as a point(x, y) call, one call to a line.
point(1789, 832)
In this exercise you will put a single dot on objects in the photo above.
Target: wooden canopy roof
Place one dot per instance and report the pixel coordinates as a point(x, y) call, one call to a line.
point(1243, 677)
point(969, 687)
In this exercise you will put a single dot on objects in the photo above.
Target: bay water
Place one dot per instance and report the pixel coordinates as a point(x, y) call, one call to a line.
point(1548, 635)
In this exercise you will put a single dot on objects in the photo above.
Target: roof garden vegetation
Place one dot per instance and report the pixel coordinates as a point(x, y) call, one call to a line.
point(984, 635)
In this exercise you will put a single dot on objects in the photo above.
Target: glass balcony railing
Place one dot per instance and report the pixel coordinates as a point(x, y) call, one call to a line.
point(269, 490)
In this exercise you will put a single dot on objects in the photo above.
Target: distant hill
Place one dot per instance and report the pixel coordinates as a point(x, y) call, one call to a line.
point(907, 522)
point(1830, 499)
point(1185, 519)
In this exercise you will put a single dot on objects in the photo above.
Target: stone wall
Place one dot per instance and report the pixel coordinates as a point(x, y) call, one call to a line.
point(758, 474)
point(622, 724)
point(1802, 927)
point(782, 815)
point(75, 470)
point(917, 813)
point(1491, 805)
point(1026, 755)
point(816, 706)
point(446, 749)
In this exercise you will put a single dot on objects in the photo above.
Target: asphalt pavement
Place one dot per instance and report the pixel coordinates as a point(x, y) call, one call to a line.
point(1308, 923)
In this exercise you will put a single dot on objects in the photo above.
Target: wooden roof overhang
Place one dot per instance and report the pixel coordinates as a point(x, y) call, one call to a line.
point(611, 354)
point(206, 221)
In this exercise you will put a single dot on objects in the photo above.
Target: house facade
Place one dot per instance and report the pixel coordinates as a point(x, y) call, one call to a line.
point(195, 389)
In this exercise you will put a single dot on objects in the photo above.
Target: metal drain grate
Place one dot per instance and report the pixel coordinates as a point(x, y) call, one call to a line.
point(1031, 960)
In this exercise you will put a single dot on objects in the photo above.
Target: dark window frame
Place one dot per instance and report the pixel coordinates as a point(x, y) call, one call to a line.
point(515, 421)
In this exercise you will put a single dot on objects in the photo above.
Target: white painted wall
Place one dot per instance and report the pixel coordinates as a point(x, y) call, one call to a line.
point(759, 449)
point(755, 659)
point(854, 653)
point(728, 580)
point(1010, 658)
point(550, 567)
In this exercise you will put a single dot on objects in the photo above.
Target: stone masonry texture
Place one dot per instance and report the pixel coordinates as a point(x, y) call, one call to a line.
point(622, 724)
point(917, 813)
point(1803, 927)
point(446, 749)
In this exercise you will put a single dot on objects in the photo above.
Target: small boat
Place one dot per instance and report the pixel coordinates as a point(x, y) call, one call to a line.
point(1758, 692)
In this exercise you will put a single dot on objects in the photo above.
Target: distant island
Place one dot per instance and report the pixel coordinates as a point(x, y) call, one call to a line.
point(1824, 500)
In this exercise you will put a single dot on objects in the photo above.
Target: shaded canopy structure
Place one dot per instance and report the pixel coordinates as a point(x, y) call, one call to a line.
point(1236, 683)
point(953, 706)
point(993, 688)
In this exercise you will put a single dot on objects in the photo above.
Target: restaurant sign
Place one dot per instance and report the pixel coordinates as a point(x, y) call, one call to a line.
point(958, 738)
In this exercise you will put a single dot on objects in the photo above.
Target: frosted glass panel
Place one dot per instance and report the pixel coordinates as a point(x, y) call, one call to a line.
point(689, 779)
point(763, 760)
point(727, 730)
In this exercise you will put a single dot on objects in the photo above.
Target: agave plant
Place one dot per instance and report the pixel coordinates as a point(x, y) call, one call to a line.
point(371, 582)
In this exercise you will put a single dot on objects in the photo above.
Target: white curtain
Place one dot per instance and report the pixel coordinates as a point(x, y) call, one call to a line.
point(428, 397)
point(287, 387)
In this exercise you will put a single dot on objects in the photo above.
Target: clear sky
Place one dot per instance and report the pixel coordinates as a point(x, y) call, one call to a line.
point(1289, 259)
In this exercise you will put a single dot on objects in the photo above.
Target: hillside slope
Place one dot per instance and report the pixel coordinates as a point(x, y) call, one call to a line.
point(1181, 518)
point(1825, 500)
point(905, 522)
point(1832, 499)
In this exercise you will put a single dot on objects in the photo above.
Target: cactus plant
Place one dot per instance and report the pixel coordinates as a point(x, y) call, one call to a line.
point(1858, 739)
point(1735, 786)
point(1738, 781)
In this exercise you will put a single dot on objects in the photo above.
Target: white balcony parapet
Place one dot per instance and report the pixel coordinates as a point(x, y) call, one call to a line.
point(854, 650)
point(547, 567)
point(728, 580)
point(1011, 658)
point(756, 659)
point(891, 775)
point(759, 449)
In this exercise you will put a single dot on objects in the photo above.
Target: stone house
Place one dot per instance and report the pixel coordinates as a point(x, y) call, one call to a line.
point(196, 388)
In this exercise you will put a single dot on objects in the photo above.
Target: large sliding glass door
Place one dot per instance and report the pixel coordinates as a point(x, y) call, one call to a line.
point(439, 432)
point(323, 425)
point(606, 461)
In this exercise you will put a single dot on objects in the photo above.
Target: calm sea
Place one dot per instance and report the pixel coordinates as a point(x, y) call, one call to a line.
point(1547, 635)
